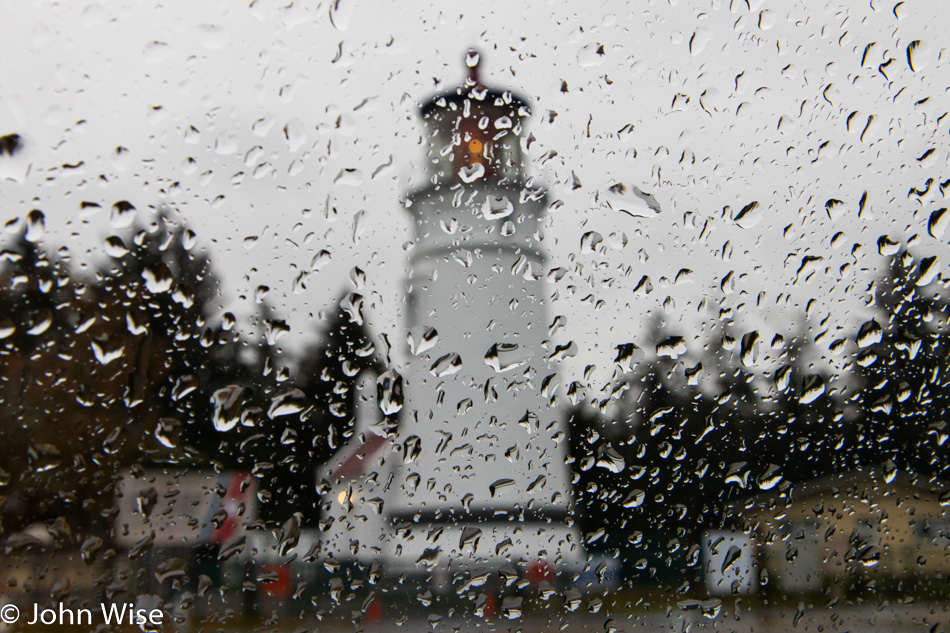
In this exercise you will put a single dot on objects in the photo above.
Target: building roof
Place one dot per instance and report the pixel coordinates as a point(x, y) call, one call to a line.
point(360, 455)
point(473, 89)
point(864, 480)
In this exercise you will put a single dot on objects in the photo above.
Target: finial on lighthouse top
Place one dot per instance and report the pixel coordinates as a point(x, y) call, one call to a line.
point(471, 60)
point(472, 89)
point(475, 131)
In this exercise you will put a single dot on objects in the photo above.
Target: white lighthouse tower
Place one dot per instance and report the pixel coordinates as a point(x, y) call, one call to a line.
point(483, 475)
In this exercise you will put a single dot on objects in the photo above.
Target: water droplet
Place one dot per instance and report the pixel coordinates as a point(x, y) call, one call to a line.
point(591, 240)
point(232, 547)
point(115, 247)
point(634, 499)
point(813, 386)
point(107, 350)
point(576, 392)
point(610, 460)
point(158, 278)
point(918, 55)
point(770, 478)
point(213, 37)
point(289, 535)
point(21, 541)
point(567, 350)
point(748, 348)
point(471, 173)
point(40, 322)
point(123, 214)
point(749, 215)
point(627, 355)
point(341, 13)
point(929, 269)
point(591, 55)
point(422, 339)
point(295, 134)
point(349, 177)
point(504, 356)
point(227, 407)
point(890, 471)
point(498, 484)
point(389, 392)
point(156, 52)
point(110, 446)
point(731, 557)
point(146, 500)
point(352, 305)
point(35, 225)
point(89, 548)
point(834, 208)
point(10, 145)
point(446, 365)
point(320, 260)
point(673, 347)
point(497, 207)
point(683, 276)
point(632, 201)
point(937, 225)
point(783, 377)
point(511, 607)
point(469, 537)
point(287, 403)
point(886, 246)
point(274, 329)
point(360, 225)
point(43, 457)
point(699, 40)
point(869, 333)
point(738, 474)
point(171, 568)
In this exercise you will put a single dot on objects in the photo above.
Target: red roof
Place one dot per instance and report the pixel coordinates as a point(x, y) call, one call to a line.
point(355, 463)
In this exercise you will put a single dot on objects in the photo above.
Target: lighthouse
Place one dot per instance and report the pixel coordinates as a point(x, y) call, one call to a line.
point(482, 475)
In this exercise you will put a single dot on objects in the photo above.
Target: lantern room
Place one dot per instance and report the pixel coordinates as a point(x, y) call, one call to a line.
point(474, 133)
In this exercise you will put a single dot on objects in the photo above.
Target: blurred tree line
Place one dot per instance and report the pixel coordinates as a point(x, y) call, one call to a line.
point(134, 364)
point(694, 432)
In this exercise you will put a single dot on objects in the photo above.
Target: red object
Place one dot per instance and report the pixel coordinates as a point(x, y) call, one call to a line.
point(540, 570)
point(355, 462)
point(235, 502)
point(491, 605)
point(374, 612)
point(279, 588)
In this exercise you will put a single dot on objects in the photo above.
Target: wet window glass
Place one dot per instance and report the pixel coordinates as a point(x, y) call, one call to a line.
point(333, 316)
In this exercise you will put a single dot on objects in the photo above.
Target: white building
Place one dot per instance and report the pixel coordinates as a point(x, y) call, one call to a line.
point(477, 473)
point(354, 525)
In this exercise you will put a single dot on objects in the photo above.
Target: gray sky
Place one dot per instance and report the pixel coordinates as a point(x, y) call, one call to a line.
point(703, 104)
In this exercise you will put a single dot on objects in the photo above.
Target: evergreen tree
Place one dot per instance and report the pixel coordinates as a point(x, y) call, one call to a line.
point(100, 375)
point(905, 370)
point(163, 293)
point(806, 426)
point(327, 374)
point(47, 425)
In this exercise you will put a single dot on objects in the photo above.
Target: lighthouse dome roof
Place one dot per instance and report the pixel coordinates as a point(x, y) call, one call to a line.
point(475, 92)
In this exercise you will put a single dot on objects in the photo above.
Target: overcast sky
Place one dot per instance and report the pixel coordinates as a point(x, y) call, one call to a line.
point(274, 126)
